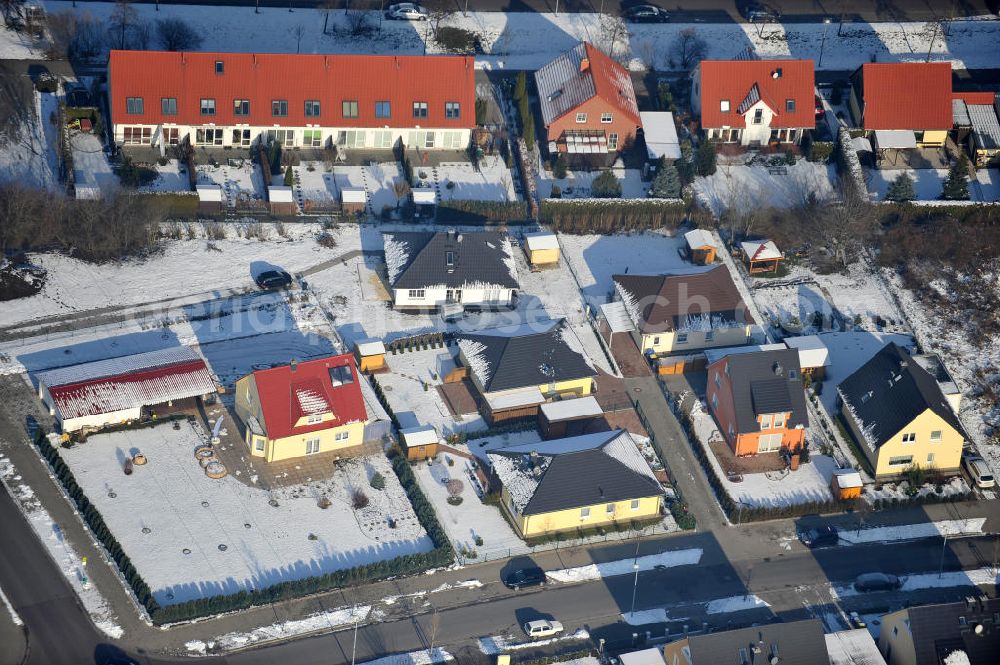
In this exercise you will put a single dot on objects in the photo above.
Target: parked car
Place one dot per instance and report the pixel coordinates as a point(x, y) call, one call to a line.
point(821, 536)
point(877, 582)
point(645, 14)
point(542, 628)
point(755, 12)
point(820, 110)
point(524, 577)
point(273, 279)
point(406, 11)
point(857, 621)
point(979, 471)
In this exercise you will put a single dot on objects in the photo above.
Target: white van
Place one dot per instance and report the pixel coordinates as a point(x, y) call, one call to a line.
point(980, 472)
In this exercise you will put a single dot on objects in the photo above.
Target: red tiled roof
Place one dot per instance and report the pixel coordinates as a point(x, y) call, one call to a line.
point(907, 95)
point(263, 77)
point(733, 80)
point(612, 82)
point(975, 97)
point(286, 395)
point(132, 389)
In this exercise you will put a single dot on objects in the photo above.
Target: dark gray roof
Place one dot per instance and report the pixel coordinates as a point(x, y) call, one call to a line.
point(890, 390)
point(417, 260)
point(766, 382)
point(795, 643)
point(937, 631)
point(527, 355)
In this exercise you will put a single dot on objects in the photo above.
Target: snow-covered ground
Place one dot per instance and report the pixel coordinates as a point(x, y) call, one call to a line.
point(190, 536)
point(32, 159)
point(14, 616)
point(422, 657)
point(91, 170)
point(956, 486)
point(577, 184)
point(596, 571)
point(170, 177)
point(241, 182)
point(19, 46)
point(498, 644)
point(811, 482)
point(742, 187)
point(527, 40)
point(492, 182)
point(943, 528)
point(61, 551)
point(928, 183)
point(735, 604)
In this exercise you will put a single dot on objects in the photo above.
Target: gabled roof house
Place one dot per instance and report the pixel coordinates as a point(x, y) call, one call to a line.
point(302, 408)
point(430, 270)
point(515, 369)
point(903, 104)
point(754, 102)
point(759, 401)
point(580, 482)
point(684, 311)
point(900, 417)
point(792, 643)
point(588, 102)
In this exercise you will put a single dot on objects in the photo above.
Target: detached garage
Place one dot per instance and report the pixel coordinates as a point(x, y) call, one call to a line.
point(93, 395)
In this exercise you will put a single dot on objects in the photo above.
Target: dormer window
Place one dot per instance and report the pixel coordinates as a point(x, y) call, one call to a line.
point(724, 106)
point(341, 375)
point(220, 67)
point(790, 105)
point(758, 116)
point(765, 422)
point(315, 418)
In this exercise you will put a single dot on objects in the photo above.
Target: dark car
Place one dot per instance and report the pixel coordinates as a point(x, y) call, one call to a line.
point(822, 536)
point(820, 110)
point(645, 14)
point(273, 279)
point(524, 577)
point(877, 582)
point(755, 12)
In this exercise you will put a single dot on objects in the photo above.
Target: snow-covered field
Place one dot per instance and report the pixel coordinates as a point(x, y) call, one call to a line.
point(928, 183)
point(742, 187)
point(596, 571)
point(190, 536)
point(61, 551)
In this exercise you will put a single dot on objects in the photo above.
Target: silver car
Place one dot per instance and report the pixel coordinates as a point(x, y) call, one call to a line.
point(406, 11)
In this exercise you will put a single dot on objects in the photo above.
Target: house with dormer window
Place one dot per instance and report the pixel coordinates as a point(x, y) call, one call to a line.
point(758, 400)
point(302, 408)
point(754, 102)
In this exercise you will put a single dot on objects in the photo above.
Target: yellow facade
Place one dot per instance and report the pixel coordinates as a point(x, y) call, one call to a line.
point(933, 138)
point(542, 257)
point(672, 342)
point(895, 639)
point(581, 387)
point(584, 517)
point(299, 445)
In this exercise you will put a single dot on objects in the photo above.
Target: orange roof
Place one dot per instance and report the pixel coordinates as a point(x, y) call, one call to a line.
point(613, 82)
point(772, 81)
point(312, 387)
point(580, 74)
point(975, 97)
point(263, 77)
point(907, 95)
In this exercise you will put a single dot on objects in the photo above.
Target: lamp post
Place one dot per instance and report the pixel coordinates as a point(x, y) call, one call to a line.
point(944, 546)
point(635, 567)
point(354, 646)
point(822, 45)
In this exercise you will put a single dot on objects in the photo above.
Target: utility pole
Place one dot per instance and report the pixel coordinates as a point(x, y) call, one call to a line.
point(557, 7)
point(944, 545)
point(822, 45)
point(354, 646)
point(635, 567)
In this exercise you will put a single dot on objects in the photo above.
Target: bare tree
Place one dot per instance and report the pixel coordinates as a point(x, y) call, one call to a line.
point(850, 224)
point(613, 37)
point(688, 48)
point(297, 32)
point(327, 8)
point(18, 122)
point(11, 10)
point(438, 11)
point(401, 189)
point(647, 53)
point(357, 18)
point(175, 34)
point(142, 34)
point(123, 17)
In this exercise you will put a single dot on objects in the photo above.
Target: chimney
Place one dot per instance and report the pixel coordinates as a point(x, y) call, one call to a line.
point(584, 65)
point(293, 364)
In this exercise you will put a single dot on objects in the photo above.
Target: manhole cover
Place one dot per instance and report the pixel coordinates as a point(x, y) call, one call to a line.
point(204, 504)
point(246, 525)
point(273, 503)
point(186, 551)
point(146, 529)
point(223, 547)
point(112, 495)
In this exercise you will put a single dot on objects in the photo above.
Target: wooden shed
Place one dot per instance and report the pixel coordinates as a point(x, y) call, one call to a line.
point(370, 354)
point(701, 247)
point(694, 362)
point(353, 199)
point(846, 484)
point(814, 357)
point(761, 256)
point(281, 200)
point(419, 442)
point(209, 198)
point(568, 417)
point(542, 249)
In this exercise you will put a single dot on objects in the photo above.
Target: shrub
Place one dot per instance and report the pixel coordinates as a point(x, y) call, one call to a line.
point(481, 109)
point(685, 165)
point(704, 160)
point(456, 40)
point(377, 481)
point(133, 175)
point(667, 183)
point(956, 185)
point(556, 192)
point(560, 167)
point(481, 212)
point(359, 499)
point(789, 158)
point(820, 151)
point(326, 240)
point(521, 86)
point(611, 216)
point(606, 186)
point(901, 189)
point(289, 177)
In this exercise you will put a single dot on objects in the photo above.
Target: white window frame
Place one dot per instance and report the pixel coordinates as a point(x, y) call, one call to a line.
point(314, 418)
point(769, 443)
point(342, 436)
point(682, 338)
point(312, 446)
point(259, 443)
point(765, 422)
point(207, 106)
point(581, 118)
point(416, 294)
point(610, 509)
point(709, 335)
point(758, 116)
point(134, 105)
point(724, 106)
point(930, 458)
point(901, 460)
point(585, 513)
point(613, 141)
point(607, 118)
point(937, 436)
point(635, 504)
point(910, 437)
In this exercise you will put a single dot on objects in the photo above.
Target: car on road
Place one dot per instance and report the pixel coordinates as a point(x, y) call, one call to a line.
point(273, 279)
point(645, 14)
point(820, 110)
point(755, 12)
point(877, 582)
point(857, 621)
point(406, 11)
point(524, 577)
point(821, 536)
point(979, 471)
point(540, 628)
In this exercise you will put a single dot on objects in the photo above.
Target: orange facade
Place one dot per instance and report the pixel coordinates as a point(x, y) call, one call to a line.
point(622, 125)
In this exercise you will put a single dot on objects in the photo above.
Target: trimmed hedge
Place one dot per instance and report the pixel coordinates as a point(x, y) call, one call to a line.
point(410, 564)
point(610, 216)
point(482, 212)
point(172, 205)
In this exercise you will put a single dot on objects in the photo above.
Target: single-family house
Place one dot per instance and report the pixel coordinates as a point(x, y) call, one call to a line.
point(754, 102)
point(302, 408)
point(588, 102)
point(164, 98)
point(761, 256)
point(967, 631)
point(93, 395)
point(759, 401)
point(580, 482)
point(681, 312)
point(903, 105)
point(429, 270)
point(790, 643)
point(898, 414)
point(701, 247)
point(516, 369)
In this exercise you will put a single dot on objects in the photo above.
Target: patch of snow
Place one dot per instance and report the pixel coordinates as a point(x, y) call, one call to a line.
point(742, 188)
point(957, 657)
point(474, 353)
point(498, 644)
point(422, 657)
point(91, 169)
point(644, 617)
point(508, 258)
point(397, 254)
point(950, 528)
point(734, 604)
point(596, 571)
point(14, 616)
point(322, 621)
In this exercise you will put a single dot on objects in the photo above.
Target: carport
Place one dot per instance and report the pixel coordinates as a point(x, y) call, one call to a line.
point(894, 140)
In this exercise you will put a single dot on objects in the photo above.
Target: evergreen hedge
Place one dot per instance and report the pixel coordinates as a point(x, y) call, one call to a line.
point(409, 564)
point(482, 212)
point(610, 216)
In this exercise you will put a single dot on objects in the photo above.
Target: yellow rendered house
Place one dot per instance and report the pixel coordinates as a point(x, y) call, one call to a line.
point(302, 409)
point(579, 482)
point(515, 369)
point(684, 312)
point(901, 418)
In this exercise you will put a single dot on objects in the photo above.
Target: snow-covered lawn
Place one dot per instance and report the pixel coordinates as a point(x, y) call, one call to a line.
point(315, 181)
point(376, 179)
point(492, 182)
point(190, 536)
point(848, 352)
point(33, 160)
point(742, 187)
point(811, 482)
point(928, 183)
point(885, 534)
point(596, 571)
point(91, 170)
point(16, 45)
point(242, 182)
point(60, 550)
point(170, 177)
point(577, 184)
point(955, 487)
